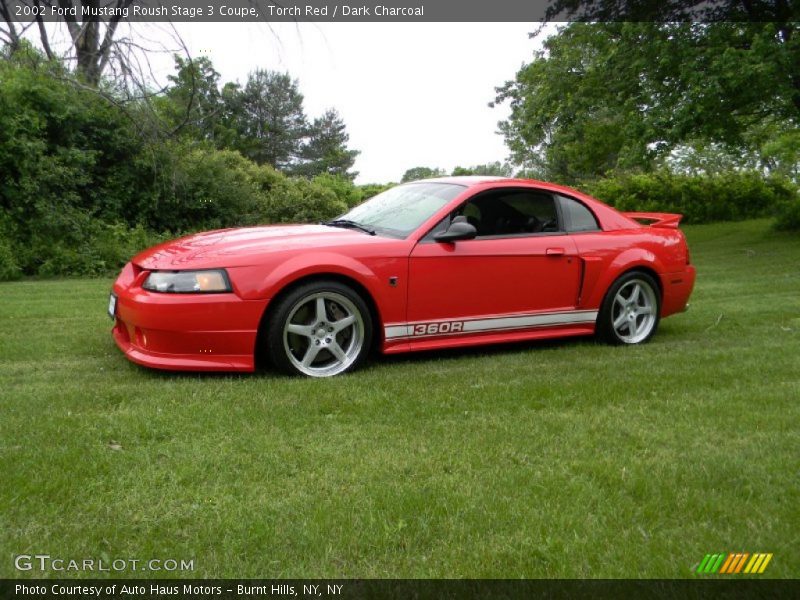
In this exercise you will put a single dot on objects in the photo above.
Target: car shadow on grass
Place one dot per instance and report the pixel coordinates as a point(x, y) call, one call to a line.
point(481, 351)
point(377, 360)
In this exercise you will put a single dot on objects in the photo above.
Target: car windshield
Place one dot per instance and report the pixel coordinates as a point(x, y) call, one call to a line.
point(401, 210)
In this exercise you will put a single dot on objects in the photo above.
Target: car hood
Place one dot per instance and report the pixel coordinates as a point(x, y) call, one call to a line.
point(245, 246)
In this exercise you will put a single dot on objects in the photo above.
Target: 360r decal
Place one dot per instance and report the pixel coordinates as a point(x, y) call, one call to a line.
point(440, 328)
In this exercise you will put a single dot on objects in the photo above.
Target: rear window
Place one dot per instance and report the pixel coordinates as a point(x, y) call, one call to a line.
point(577, 217)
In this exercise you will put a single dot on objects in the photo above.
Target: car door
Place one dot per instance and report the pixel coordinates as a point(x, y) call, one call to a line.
point(521, 266)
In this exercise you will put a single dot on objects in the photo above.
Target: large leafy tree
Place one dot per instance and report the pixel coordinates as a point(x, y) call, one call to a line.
point(570, 119)
point(605, 96)
point(325, 150)
point(269, 119)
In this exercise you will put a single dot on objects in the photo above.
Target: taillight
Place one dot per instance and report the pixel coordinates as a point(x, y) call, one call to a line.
point(686, 248)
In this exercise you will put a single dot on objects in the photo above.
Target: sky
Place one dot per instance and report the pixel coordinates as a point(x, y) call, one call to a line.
point(411, 94)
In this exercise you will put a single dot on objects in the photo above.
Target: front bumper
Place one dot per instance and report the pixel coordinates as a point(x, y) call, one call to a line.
point(185, 332)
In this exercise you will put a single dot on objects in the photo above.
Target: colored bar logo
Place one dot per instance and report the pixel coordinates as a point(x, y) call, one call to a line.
point(733, 563)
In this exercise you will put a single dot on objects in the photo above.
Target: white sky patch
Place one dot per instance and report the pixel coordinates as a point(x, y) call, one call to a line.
point(411, 94)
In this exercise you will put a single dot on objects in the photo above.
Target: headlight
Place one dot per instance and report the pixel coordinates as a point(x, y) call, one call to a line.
point(188, 282)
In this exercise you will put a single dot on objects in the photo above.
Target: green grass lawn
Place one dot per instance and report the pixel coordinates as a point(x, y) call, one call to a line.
point(566, 459)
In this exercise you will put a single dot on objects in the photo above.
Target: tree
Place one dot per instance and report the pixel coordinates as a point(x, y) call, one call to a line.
point(93, 38)
point(571, 120)
point(325, 150)
point(268, 118)
point(608, 96)
point(193, 105)
point(416, 173)
point(495, 168)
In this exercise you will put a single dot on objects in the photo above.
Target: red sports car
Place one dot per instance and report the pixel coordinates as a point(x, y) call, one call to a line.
point(438, 263)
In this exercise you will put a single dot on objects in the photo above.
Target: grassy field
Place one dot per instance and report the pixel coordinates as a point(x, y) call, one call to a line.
point(567, 459)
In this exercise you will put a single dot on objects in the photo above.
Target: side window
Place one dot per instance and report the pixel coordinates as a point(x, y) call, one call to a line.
point(511, 212)
point(576, 216)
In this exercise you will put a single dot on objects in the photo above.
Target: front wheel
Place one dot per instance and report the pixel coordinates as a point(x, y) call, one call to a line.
point(319, 329)
point(630, 311)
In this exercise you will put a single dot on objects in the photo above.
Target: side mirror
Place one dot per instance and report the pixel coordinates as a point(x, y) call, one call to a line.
point(459, 230)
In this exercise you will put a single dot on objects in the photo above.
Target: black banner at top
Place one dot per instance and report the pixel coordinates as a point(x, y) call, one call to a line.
point(396, 10)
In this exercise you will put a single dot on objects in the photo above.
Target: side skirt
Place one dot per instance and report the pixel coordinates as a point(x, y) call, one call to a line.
point(431, 335)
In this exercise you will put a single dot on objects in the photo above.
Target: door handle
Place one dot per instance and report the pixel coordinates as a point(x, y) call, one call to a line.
point(555, 252)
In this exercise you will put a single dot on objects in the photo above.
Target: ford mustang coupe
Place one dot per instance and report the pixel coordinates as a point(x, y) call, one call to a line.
point(439, 263)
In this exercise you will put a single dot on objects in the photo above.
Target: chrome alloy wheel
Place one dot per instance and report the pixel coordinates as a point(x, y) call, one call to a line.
point(633, 313)
point(323, 334)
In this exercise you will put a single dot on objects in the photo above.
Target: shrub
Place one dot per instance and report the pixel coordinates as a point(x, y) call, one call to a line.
point(368, 190)
point(9, 265)
point(114, 244)
point(701, 199)
point(296, 200)
point(788, 215)
point(62, 146)
point(93, 248)
point(9, 269)
point(342, 187)
point(200, 187)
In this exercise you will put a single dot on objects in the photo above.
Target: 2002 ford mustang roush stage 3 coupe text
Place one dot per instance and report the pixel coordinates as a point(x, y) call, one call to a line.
point(433, 264)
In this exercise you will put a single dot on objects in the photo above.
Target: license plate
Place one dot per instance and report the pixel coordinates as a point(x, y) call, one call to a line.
point(112, 306)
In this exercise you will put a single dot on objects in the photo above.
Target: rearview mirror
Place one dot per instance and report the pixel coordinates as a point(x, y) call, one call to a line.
point(459, 230)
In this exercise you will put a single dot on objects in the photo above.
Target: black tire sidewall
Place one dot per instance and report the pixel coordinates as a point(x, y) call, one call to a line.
point(605, 329)
point(282, 308)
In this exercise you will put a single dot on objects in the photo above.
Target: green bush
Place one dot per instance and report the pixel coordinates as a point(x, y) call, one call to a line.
point(81, 191)
point(342, 187)
point(729, 196)
point(296, 200)
point(9, 265)
point(92, 248)
point(115, 243)
point(9, 269)
point(368, 190)
point(68, 165)
point(61, 145)
point(199, 187)
point(788, 215)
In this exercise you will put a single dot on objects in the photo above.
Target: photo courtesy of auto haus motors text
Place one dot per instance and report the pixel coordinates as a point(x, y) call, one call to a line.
point(172, 589)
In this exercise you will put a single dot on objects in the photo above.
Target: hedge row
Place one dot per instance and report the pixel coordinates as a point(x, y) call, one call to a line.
point(82, 190)
point(730, 196)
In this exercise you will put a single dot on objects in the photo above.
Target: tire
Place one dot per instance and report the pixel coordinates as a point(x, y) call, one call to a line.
point(631, 310)
point(319, 329)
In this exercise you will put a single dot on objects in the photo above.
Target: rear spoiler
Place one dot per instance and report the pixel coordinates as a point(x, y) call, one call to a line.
point(666, 220)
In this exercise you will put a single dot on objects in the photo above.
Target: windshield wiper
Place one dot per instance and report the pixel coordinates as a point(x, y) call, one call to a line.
point(348, 224)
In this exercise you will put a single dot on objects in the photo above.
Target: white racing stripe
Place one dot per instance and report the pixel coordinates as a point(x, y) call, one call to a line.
point(396, 331)
point(419, 329)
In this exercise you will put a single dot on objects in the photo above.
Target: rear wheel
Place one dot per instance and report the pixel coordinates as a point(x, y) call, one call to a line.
point(630, 310)
point(319, 329)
